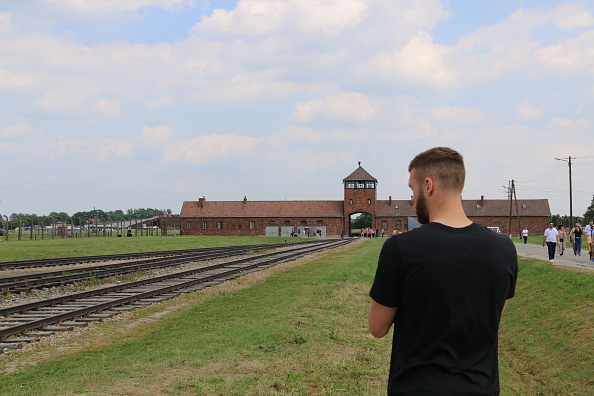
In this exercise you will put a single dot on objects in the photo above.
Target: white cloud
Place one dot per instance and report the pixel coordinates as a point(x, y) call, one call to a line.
point(292, 135)
point(5, 21)
point(258, 17)
point(458, 115)
point(569, 125)
point(571, 55)
point(579, 19)
point(108, 107)
point(112, 6)
point(492, 51)
point(346, 106)
point(13, 80)
point(163, 101)
point(209, 148)
point(61, 101)
point(156, 135)
point(102, 149)
point(113, 148)
point(528, 111)
point(21, 129)
point(419, 62)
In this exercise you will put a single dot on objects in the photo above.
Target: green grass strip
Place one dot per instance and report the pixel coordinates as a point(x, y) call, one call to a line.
point(14, 250)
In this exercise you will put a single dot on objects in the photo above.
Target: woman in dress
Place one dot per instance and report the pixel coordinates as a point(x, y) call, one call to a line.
point(562, 239)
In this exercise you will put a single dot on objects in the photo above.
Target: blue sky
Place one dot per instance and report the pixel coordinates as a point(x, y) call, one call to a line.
point(148, 103)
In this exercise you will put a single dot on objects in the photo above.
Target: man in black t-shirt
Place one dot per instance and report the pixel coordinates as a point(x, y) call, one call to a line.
point(444, 286)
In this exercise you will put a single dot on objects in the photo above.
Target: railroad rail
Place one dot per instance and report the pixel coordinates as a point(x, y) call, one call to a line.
point(26, 282)
point(28, 322)
point(52, 262)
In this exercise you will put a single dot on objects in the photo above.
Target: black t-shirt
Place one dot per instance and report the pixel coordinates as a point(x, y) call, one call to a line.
point(450, 286)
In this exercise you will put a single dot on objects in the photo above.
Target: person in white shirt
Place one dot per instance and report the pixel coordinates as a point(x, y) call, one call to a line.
point(551, 237)
point(525, 235)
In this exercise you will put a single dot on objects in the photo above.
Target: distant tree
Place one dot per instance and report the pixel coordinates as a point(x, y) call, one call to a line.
point(362, 221)
point(60, 216)
point(589, 214)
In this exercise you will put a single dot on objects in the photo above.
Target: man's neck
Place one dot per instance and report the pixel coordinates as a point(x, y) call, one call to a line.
point(449, 213)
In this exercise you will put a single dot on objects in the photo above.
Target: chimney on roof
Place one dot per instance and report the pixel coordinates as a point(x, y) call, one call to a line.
point(244, 199)
point(482, 200)
point(390, 201)
point(201, 202)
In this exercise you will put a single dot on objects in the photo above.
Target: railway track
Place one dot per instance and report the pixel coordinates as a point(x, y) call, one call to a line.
point(29, 322)
point(53, 262)
point(26, 282)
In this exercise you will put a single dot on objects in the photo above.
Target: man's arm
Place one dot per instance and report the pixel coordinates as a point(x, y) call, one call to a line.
point(504, 305)
point(380, 319)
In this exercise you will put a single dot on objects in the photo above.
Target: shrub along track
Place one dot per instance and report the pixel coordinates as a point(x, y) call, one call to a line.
point(28, 322)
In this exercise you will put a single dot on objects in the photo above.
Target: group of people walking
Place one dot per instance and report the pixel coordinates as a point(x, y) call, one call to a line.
point(371, 233)
point(556, 238)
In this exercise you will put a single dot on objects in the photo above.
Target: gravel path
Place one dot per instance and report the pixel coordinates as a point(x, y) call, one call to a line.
point(567, 260)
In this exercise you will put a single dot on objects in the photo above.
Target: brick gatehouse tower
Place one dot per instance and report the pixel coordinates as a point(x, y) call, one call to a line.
point(360, 196)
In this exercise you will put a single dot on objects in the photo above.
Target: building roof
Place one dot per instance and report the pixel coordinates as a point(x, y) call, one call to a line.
point(501, 207)
point(254, 209)
point(472, 208)
point(359, 174)
point(394, 208)
point(384, 208)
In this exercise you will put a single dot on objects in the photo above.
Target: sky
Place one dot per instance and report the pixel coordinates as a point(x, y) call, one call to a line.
point(119, 104)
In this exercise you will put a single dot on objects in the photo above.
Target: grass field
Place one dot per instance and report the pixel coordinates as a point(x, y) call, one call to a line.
point(300, 329)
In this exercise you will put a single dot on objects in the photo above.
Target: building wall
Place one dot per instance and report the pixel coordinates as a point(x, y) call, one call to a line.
point(359, 200)
point(535, 225)
point(241, 226)
point(394, 223)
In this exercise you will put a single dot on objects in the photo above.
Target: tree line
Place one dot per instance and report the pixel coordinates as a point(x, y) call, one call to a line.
point(564, 220)
point(82, 218)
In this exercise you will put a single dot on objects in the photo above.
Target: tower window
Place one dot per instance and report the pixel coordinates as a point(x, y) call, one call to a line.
point(350, 201)
point(369, 202)
point(369, 184)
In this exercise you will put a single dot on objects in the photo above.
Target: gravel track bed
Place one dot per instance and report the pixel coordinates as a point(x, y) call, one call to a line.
point(34, 295)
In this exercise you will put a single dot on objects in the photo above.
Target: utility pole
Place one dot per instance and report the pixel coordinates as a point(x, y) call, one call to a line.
point(568, 160)
point(509, 233)
point(517, 210)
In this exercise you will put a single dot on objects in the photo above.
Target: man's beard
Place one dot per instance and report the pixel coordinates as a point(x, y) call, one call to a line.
point(421, 209)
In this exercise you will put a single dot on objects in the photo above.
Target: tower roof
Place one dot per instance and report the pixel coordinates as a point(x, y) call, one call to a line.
point(359, 174)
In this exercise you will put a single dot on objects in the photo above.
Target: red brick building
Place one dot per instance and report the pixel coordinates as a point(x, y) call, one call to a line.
point(333, 218)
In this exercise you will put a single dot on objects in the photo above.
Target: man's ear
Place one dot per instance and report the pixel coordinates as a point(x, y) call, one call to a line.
point(428, 186)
